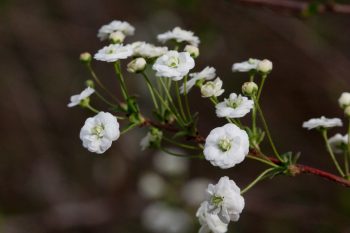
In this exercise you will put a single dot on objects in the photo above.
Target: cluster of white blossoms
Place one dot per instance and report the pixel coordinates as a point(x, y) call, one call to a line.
point(224, 147)
point(224, 204)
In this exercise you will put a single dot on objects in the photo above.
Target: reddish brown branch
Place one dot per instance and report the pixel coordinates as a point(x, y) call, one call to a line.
point(295, 169)
point(298, 6)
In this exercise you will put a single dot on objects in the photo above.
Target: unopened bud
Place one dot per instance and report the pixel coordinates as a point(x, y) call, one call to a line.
point(192, 50)
point(85, 57)
point(344, 100)
point(347, 111)
point(249, 88)
point(137, 65)
point(264, 66)
point(89, 83)
point(117, 37)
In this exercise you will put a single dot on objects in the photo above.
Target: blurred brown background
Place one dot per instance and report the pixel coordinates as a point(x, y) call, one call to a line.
point(50, 183)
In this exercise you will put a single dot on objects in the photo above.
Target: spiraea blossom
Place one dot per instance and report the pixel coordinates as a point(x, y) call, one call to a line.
point(225, 199)
point(179, 35)
point(226, 146)
point(245, 66)
point(146, 50)
point(115, 26)
point(76, 99)
point(234, 107)
point(212, 88)
point(210, 222)
point(322, 122)
point(173, 65)
point(338, 142)
point(208, 73)
point(114, 52)
point(152, 138)
point(99, 132)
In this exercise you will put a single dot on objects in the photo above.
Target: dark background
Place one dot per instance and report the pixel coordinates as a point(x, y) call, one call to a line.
point(50, 183)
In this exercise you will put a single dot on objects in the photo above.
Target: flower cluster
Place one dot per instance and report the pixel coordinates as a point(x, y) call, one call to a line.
point(170, 73)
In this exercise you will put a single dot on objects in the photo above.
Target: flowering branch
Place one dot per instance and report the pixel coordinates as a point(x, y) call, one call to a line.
point(299, 6)
point(174, 124)
point(294, 169)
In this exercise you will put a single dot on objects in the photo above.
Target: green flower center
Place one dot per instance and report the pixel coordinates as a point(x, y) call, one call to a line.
point(98, 130)
point(216, 200)
point(173, 62)
point(234, 103)
point(225, 144)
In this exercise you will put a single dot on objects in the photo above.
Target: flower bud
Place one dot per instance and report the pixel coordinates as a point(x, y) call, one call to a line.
point(347, 111)
point(85, 57)
point(137, 65)
point(192, 50)
point(249, 88)
point(90, 83)
point(344, 100)
point(117, 37)
point(264, 66)
point(212, 88)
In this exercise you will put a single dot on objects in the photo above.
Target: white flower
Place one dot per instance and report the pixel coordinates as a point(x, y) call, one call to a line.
point(245, 66)
point(137, 65)
point(179, 35)
point(99, 131)
point(338, 142)
point(344, 99)
point(234, 107)
point(226, 146)
point(151, 185)
point(322, 122)
point(208, 73)
point(210, 222)
point(115, 26)
point(192, 50)
point(76, 99)
point(114, 52)
point(212, 88)
point(160, 218)
point(85, 57)
point(264, 66)
point(225, 199)
point(173, 65)
point(169, 164)
point(143, 49)
point(192, 192)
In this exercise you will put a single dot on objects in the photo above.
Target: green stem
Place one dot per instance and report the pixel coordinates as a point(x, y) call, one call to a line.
point(98, 81)
point(263, 78)
point(347, 159)
point(121, 80)
point(175, 111)
point(88, 106)
point(330, 151)
point(179, 100)
point(151, 90)
point(266, 127)
point(254, 116)
point(127, 129)
point(186, 99)
point(262, 160)
point(254, 182)
point(180, 144)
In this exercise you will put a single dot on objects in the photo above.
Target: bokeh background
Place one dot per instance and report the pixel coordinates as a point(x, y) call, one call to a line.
point(50, 183)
